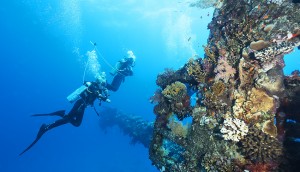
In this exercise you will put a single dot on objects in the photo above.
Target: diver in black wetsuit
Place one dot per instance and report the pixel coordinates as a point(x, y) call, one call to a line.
point(122, 69)
point(92, 91)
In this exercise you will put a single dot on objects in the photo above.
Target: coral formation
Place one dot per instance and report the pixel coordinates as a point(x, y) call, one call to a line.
point(254, 106)
point(234, 129)
point(259, 45)
point(238, 84)
point(260, 147)
point(223, 70)
point(270, 128)
point(175, 91)
point(193, 68)
point(178, 128)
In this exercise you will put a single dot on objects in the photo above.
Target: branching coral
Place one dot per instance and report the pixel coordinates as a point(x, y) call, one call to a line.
point(234, 129)
point(193, 68)
point(223, 70)
point(273, 56)
point(260, 147)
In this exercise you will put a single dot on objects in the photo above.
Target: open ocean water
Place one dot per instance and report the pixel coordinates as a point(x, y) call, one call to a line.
point(43, 51)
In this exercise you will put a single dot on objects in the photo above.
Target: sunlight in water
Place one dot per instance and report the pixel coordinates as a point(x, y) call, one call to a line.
point(93, 65)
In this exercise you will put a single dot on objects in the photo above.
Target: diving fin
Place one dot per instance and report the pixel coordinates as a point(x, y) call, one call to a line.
point(42, 130)
point(60, 113)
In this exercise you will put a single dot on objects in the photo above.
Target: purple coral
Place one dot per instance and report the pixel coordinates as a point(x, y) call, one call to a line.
point(223, 70)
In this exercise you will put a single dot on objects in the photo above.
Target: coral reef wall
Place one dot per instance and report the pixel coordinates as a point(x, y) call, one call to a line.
point(243, 100)
point(233, 109)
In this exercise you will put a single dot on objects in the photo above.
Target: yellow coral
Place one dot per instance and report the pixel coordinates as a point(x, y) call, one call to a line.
point(209, 54)
point(194, 69)
point(175, 91)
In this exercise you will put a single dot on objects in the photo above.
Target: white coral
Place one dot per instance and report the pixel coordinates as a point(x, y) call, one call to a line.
point(278, 2)
point(234, 129)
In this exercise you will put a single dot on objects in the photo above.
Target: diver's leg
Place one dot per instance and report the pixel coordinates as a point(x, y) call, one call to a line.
point(76, 114)
point(44, 128)
point(115, 84)
point(60, 113)
point(74, 117)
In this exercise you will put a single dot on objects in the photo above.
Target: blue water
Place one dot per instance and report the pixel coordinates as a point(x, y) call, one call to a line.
point(43, 55)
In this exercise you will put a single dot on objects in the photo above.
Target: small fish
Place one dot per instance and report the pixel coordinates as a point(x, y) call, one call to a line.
point(266, 17)
point(189, 39)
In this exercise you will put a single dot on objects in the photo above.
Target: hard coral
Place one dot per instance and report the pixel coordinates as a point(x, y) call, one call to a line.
point(259, 45)
point(193, 68)
point(260, 101)
point(234, 129)
point(271, 81)
point(175, 92)
point(179, 100)
point(254, 106)
point(260, 147)
point(270, 128)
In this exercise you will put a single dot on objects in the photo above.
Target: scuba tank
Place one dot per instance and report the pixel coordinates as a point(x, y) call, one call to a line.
point(76, 94)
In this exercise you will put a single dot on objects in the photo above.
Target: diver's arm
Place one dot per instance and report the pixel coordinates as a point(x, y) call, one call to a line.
point(103, 94)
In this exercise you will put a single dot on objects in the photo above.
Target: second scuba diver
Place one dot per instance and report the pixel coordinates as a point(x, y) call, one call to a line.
point(122, 69)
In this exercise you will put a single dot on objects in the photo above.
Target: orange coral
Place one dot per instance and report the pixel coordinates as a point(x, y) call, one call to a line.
point(262, 167)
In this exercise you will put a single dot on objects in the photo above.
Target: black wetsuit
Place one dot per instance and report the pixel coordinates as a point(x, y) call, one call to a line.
point(75, 115)
point(124, 70)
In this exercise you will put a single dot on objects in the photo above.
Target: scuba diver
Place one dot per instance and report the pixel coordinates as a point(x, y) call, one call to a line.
point(122, 69)
point(83, 97)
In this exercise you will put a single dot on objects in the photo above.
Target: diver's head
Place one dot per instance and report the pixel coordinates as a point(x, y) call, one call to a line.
point(130, 57)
